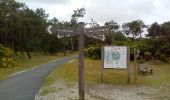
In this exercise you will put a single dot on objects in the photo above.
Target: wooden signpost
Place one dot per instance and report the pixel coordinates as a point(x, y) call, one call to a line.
point(128, 66)
point(95, 32)
point(136, 55)
point(102, 62)
point(135, 65)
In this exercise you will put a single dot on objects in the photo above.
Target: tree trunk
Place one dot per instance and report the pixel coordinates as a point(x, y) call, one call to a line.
point(15, 52)
point(133, 38)
point(28, 54)
point(26, 46)
point(6, 39)
point(72, 45)
point(21, 50)
point(13, 42)
point(64, 50)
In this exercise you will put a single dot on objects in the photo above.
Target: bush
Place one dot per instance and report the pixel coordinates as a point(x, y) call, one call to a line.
point(93, 52)
point(130, 44)
point(6, 57)
point(141, 61)
point(163, 58)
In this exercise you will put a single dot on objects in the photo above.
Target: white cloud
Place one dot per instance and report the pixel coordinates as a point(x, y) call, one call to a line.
point(47, 2)
point(104, 10)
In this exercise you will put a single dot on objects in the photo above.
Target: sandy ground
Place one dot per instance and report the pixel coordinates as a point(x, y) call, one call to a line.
point(69, 91)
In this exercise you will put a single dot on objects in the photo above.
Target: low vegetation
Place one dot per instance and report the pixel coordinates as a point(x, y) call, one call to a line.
point(23, 63)
point(93, 52)
point(69, 72)
point(157, 83)
point(6, 57)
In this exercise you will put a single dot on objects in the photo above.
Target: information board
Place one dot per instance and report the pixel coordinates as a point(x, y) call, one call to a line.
point(115, 57)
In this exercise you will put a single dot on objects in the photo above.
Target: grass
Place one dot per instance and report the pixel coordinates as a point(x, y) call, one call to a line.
point(24, 63)
point(159, 80)
point(69, 72)
point(161, 75)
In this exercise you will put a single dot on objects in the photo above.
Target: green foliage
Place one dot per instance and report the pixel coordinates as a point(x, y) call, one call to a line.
point(109, 36)
point(134, 28)
point(21, 28)
point(129, 43)
point(166, 28)
point(50, 44)
point(93, 52)
point(158, 47)
point(163, 58)
point(78, 13)
point(6, 57)
point(141, 61)
point(154, 30)
point(159, 40)
point(119, 36)
point(132, 44)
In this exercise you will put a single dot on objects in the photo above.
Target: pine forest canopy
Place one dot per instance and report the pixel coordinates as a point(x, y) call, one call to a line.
point(23, 29)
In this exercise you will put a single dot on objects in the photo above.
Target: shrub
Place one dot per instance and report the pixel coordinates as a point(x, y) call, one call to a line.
point(141, 61)
point(93, 52)
point(6, 57)
point(163, 58)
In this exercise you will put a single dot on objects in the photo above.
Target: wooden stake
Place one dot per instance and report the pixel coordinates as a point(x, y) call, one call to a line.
point(102, 62)
point(81, 62)
point(128, 65)
point(135, 65)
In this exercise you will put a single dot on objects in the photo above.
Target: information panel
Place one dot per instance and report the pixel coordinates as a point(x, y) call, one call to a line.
point(115, 57)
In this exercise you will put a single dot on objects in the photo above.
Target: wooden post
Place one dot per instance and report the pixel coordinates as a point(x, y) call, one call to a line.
point(81, 61)
point(80, 31)
point(135, 65)
point(128, 65)
point(102, 62)
point(72, 46)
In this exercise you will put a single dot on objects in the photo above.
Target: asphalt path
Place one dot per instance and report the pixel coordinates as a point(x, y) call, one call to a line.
point(25, 85)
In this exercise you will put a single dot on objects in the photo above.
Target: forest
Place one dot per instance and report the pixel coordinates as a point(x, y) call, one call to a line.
point(23, 30)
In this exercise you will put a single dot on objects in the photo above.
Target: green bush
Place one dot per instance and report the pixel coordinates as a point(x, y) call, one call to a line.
point(6, 57)
point(130, 44)
point(93, 52)
point(163, 58)
point(160, 56)
point(141, 61)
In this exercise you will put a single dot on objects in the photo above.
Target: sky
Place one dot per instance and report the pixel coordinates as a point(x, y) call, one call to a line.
point(120, 11)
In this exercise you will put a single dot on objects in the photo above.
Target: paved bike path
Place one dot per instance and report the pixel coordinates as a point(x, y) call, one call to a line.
point(24, 86)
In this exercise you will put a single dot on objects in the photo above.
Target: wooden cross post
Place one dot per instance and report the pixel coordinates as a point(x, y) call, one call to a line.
point(95, 32)
point(81, 61)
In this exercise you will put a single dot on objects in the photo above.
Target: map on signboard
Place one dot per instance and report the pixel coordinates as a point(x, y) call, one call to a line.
point(115, 57)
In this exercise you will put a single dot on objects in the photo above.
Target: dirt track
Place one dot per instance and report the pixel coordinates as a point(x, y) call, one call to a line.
point(61, 90)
